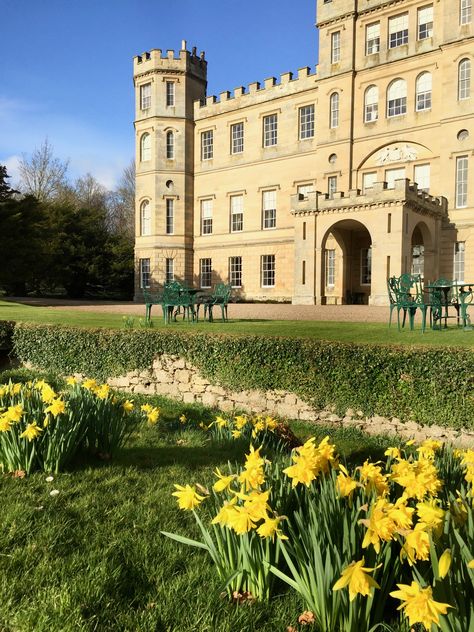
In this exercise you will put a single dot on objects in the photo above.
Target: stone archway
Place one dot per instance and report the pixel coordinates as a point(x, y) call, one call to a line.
point(346, 263)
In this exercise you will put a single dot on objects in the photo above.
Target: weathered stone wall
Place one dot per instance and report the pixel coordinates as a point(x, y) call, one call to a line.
point(174, 377)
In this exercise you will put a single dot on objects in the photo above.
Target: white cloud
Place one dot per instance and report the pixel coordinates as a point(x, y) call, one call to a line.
point(11, 163)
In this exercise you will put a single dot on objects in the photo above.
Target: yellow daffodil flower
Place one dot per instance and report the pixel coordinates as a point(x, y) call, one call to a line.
point(444, 563)
point(71, 381)
point(14, 413)
point(89, 384)
point(269, 529)
point(102, 391)
point(236, 434)
point(393, 453)
point(182, 419)
point(187, 497)
point(223, 482)
point(57, 407)
point(225, 513)
point(153, 416)
point(32, 431)
point(358, 579)
point(417, 545)
point(127, 406)
point(418, 604)
point(5, 423)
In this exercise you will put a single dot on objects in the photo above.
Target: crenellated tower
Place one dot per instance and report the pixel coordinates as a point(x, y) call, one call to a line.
point(166, 86)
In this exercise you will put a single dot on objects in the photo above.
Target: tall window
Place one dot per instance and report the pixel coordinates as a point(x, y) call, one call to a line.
point(398, 30)
point(237, 138)
point(425, 22)
point(465, 16)
point(422, 177)
point(464, 79)
point(170, 145)
point(269, 209)
point(418, 260)
point(458, 267)
point(236, 213)
point(306, 122)
point(371, 104)
point(270, 130)
point(207, 145)
point(332, 185)
point(397, 98)
point(330, 267)
point(235, 271)
point(170, 93)
point(145, 147)
point(423, 91)
point(366, 266)
point(304, 189)
point(169, 274)
point(461, 181)
point(372, 39)
point(334, 110)
point(169, 216)
point(206, 217)
point(145, 96)
point(391, 175)
point(205, 272)
point(144, 272)
point(368, 180)
point(267, 270)
point(335, 47)
point(145, 218)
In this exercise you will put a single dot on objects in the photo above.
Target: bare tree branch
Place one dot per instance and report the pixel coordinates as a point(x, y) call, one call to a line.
point(43, 175)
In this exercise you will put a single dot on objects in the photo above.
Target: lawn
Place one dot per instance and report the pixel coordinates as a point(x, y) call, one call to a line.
point(376, 333)
point(92, 557)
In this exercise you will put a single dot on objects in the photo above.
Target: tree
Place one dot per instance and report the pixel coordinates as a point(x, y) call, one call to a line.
point(122, 204)
point(90, 193)
point(6, 192)
point(43, 175)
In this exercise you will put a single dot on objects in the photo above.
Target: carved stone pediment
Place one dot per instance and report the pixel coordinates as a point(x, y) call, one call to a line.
point(400, 152)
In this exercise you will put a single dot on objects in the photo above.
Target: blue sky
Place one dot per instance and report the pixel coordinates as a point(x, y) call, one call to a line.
point(66, 66)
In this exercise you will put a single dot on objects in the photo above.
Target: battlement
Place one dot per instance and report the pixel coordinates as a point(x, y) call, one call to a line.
point(181, 61)
point(405, 192)
point(255, 93)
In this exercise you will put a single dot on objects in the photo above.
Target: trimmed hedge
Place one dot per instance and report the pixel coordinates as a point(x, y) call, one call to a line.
point(428, 385)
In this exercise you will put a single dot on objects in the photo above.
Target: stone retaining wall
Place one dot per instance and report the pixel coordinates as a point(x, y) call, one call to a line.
point(174, 377)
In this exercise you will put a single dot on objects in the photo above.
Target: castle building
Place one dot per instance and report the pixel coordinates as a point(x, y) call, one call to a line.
point(314, 188)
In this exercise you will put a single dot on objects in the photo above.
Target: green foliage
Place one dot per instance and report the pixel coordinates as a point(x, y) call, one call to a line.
point(430, 385)
point(6, 333)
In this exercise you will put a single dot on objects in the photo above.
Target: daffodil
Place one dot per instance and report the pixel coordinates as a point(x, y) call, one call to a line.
point(418, 604)
point(225, 512)
point(31, 432)
point(187, 497)
point(240, 421)
point(89, 384)
point(240, 520)
point(444, 563)
point(373, 479)
point(269, 529)
point(102, 391)
point(220, 422)
point(393, 453)
point(417, 545)
point(182, 418)
point(344, 483)
point(57, 407)
point(236, 434)
point(14, 413)
point(223, 482)
point(153, 416)
point(5, 423)
point(146, 408)
point(71, 381)
point(127, 406)
point(358, 579)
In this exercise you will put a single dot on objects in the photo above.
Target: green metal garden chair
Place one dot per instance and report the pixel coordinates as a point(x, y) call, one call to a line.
point(406, 294)
point(150, 300)
point(220, 297)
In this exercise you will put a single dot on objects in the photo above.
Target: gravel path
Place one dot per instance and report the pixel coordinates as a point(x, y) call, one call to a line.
point(246, 311)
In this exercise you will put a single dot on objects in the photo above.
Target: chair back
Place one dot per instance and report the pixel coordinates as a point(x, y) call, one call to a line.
point(221, 293)
point(450, 296)
point(392, 287)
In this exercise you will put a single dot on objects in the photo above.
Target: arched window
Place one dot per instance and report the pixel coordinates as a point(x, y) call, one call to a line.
point(464, 79)
point(170, 145)
point(371, 104)
point(145, 147)
point(334, 110)
point(423, 91)
point(397, 98)
point(145, 218)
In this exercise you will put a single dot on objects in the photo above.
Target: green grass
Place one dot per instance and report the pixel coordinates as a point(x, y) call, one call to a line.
point(92, 558)
point(377, 333)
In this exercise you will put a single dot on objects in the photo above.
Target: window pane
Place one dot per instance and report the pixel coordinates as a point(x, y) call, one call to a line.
point(205, 272)
point(270, 130)
point(269, 209)
point(170, 93)
point(368, 180)
point(144, 271)
point(207, 145)
point(237, 138)
point(366, 266)
point(372, 38)
point(307, 122)
point(425, 22)
point(334, 110)
point(267, 270)
point(464, 88)
point(398, 30)
point(461, 181)
point(332, 185)
point(145, 148)
point(170, 146)
point(393, 174)
point(169, 276)
point(330, 268)
point(466, 12)
point(458, 267)
point(422, 177)
point(145, 96)
point(235, 271)
point(335, 47)
point(397, 98)
point(206, 217)
point(169, 216)
point(145, 218)
point(423, 92)
point(371, 110)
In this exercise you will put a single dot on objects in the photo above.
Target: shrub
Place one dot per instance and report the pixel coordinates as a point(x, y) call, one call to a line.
point(6, 333)
point(427, 385)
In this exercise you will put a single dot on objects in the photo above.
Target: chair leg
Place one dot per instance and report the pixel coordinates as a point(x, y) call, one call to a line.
point(148, 312)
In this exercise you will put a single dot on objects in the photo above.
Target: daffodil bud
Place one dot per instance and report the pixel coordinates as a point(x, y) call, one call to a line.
point(444, 563)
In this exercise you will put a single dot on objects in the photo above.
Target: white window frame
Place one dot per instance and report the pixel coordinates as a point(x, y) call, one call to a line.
point(269, 209)
point(304, 190)
point(422, 176)
point(169, 270)
point(425, 22)
point(170, 145)
point(267, 270)
point(237, 138)
point(464, 79)
point(335, 47)
point(205, 272)
point(145, 147)
point(169, 216)
point(145, 218)
point(372, 38)
point(465, 12)
point(459, 261)
point(145, 96)
point(235, 271)
point(397, 98)
point(398, 30)
point(368, 180)
point(366, 266)
point(270, 130)
point(391, 175)
point(144, 273)
point(462, 175)
point(423, 92)
point(371, 104)
point(334, 110)
point(236, 213)
point(332, 185)
point(170, 94)
point(207, 145)
point(306, 122)
point(330, 267)
point(206, 217)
